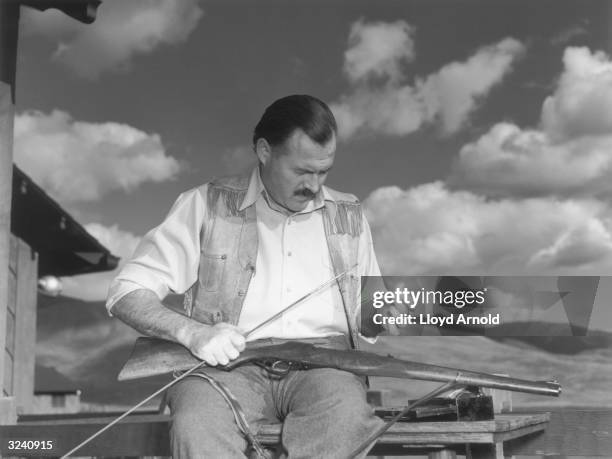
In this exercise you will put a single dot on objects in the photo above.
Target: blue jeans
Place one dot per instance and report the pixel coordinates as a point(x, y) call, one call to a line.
point(323, 411)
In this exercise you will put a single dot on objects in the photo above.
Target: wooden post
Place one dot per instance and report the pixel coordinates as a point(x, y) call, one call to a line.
point(23, 275)
point(9, 24)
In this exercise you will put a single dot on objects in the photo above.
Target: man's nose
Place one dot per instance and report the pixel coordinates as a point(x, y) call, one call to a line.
point(313, 183)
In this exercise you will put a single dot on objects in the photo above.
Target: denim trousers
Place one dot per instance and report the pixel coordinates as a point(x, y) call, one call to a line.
point(324, 413)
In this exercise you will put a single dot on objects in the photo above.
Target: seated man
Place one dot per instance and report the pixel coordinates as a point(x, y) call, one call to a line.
point(243, 248)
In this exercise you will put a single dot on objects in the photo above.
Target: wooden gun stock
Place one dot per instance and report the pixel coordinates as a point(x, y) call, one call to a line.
point(152, 356)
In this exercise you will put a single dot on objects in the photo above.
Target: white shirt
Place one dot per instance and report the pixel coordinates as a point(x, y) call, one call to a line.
point(292, 260)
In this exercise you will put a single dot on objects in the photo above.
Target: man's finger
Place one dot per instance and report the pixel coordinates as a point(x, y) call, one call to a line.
point(210, 359)
point(221, 357)
point(231, 352)
point(238, 341)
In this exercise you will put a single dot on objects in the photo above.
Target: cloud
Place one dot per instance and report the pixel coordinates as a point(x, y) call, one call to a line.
point(378, 49)
point(581, 103)
point(122, 30)
point(94, 287)
point(453, 92)
point(589, 242)
point(430, 229)
point(570, 33)
point(378, 101)
point(570, 153)
point(509, 161)
point(80, 161)
point(386, 110)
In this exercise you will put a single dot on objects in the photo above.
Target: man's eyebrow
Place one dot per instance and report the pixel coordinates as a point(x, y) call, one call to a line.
point(301, 169)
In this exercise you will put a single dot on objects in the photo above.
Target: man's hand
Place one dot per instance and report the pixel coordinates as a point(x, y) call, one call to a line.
point(217, 344)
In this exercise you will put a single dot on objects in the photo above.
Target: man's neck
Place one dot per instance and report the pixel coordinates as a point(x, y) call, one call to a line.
point(273, 203)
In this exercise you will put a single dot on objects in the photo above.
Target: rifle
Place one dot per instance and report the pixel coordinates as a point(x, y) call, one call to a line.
point(152, 356)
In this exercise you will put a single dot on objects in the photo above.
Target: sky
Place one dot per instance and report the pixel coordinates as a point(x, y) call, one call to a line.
point(478, 134)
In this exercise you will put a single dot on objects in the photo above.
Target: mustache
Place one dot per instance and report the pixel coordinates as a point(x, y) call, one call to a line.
point(305, 193)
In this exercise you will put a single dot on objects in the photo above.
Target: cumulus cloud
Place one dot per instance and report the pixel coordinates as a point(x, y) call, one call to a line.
point(94, 287)
point(122, 30)
point(588, 242)
point(509, 160)
point(387, 110)
point(430, 229)
point(378, 49)
point(569, 153)
point(378, 100)
point(80, 161)
point(581, 103)
point(454, 91)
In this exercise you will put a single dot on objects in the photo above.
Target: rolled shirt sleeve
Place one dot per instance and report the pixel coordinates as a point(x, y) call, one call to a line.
point(167, 257)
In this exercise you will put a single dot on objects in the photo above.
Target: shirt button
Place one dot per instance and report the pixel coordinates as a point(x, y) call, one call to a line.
point(289, 253)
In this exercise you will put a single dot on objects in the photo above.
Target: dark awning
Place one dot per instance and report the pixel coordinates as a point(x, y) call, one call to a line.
point(65, 248)
point(81, 10)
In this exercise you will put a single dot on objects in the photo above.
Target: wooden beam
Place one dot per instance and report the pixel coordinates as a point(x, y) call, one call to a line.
point(9, 25)
point(25, 325)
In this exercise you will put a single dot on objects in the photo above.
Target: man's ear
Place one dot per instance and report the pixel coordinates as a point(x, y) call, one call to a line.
point(263, 151)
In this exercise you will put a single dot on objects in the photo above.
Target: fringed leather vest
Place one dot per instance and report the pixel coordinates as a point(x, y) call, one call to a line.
point(229, 251)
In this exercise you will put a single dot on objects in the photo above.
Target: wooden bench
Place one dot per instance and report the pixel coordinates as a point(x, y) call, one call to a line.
point(485, 439)
point(564, 432)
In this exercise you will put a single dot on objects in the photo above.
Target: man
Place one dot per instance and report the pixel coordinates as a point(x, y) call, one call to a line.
point(243, 248)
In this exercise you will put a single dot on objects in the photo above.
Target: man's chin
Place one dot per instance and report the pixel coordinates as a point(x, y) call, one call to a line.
point(298, 204)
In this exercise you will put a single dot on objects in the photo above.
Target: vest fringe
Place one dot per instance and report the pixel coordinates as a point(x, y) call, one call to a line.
point(348, 219)
point(231, 199)
point(188, 300)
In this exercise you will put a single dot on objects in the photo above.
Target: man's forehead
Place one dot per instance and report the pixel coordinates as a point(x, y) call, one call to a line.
point(300, 144)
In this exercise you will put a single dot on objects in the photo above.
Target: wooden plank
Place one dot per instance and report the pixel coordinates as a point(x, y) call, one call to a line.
point(570, 433)
point(585, 433)
point(420, 433)
point(446, 432)
point(25, 327)
point(9, 14)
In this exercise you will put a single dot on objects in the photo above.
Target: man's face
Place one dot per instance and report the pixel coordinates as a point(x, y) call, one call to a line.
point(295, 171)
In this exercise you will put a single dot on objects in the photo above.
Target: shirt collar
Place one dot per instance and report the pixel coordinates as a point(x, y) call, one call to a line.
point(257, 189)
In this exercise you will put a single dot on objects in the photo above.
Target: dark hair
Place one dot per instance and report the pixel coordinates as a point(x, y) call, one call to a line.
point(303, 112)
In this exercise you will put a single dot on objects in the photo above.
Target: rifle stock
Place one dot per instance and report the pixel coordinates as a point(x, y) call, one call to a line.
point(152, 356)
